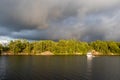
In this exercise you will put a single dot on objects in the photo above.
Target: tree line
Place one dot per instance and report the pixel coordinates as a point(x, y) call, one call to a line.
point(61, 47)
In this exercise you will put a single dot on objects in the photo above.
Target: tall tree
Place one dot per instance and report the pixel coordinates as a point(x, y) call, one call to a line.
point(1, 48)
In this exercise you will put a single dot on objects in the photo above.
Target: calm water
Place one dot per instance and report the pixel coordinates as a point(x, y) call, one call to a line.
point(59, 68)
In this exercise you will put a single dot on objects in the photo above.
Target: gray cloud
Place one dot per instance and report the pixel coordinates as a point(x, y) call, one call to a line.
point(60, 19)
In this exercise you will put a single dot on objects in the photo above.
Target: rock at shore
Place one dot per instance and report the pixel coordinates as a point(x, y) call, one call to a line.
point(47, 53)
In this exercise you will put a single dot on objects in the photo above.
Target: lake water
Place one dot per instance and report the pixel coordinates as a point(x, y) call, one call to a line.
point(59, 68)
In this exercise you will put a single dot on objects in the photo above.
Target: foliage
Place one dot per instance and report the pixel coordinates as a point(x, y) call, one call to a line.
point(1, 48)
point(62, 47)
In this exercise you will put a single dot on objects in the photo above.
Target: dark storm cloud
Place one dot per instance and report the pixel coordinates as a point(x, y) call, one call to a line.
point(60, 19)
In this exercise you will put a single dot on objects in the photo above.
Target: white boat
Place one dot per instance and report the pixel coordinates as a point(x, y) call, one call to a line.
point(89, 54)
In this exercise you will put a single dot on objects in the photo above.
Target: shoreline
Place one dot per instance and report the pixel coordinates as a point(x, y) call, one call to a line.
point(48, 53)
point(52, 55)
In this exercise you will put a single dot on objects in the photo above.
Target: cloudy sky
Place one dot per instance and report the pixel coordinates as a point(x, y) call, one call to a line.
point(86, 20)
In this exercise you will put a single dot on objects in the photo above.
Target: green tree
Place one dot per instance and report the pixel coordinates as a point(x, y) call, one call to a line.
point(17, 46)
point(62, 47)
point(1, 48)
point(113, 47)
point(100, 46)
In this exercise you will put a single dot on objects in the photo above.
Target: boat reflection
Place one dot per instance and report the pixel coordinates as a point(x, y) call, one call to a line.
point(89, 67)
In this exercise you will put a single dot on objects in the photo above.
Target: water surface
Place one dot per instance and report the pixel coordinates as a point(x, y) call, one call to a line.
point(59, 68)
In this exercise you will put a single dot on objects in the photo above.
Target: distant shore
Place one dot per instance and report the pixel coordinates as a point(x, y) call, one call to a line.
point(61, 47)
point(47, 53)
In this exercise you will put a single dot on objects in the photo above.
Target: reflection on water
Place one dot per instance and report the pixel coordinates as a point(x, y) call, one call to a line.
point(89, 67)
point(43, 68)
point(2, 68)
point(106, 68)
point(59, 68)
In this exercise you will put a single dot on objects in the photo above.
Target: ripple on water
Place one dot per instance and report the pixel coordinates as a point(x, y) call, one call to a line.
point(59, 68)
